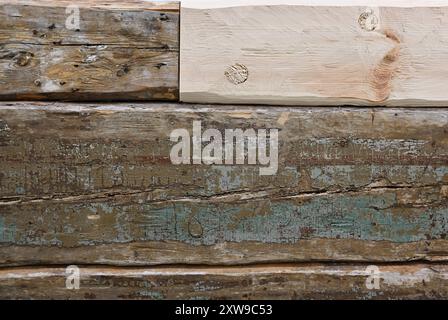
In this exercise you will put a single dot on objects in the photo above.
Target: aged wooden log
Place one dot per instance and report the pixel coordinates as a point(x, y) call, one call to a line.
point(95, 184)
point(116, 50)
point(313, 52)
point(309, 281)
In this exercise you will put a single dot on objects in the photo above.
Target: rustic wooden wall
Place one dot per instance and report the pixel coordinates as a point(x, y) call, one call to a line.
point(121, 51)
point(94, 184)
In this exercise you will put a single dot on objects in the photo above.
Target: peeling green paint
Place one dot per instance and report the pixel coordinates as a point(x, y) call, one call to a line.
point(7, 231)
point(370, 217)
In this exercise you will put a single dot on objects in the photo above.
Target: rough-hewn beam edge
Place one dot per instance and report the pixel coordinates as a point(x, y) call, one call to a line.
point(313, 281)
point(94, 183)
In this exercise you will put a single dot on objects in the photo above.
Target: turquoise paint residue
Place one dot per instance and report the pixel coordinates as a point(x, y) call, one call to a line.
point(372, 217)
point(106, 208)
point(225, 178)
point(364, 217)
point(441, 172)
point(326, 176)
point(413, 172)
point(440, 221)
point(360, 175)
point(159, 223)
point(199, 298)
point(7, 232)
point(20, 190)
point(123, 226)
point(316, 173)
point(12, 229)
point(151, 294)
point(292, 175)
point(380, 225)
point(229, 180)
point(2, 229)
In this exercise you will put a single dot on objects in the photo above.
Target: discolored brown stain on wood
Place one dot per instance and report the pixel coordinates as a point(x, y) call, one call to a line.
point(383, 74)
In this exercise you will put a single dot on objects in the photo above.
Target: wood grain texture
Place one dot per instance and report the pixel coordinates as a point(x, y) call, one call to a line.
point(93, 183)
point(313, 281)
point(306, 52)
point(121, 50)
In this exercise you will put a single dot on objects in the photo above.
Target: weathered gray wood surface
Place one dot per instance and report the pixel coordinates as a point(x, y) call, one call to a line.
point(94, 184)
point(313, 281)
point(121, 51)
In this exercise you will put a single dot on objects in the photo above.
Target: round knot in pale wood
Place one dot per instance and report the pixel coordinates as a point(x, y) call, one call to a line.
point(368, 20)
point(237, 74)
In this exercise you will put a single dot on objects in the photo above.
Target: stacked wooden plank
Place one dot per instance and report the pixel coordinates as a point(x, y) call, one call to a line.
point(118, 50)
point(356, 208)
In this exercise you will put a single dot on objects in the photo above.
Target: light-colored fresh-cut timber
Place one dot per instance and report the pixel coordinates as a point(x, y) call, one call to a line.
point(141, 5)
point(121, 51)
point(310, 52)
point(307, 281)
point(94, 183)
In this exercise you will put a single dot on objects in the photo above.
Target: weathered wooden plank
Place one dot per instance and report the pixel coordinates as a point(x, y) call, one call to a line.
point(314, 52)
point(95, 184)
point(118, 51)
point(410, 232)
point(314, 281)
